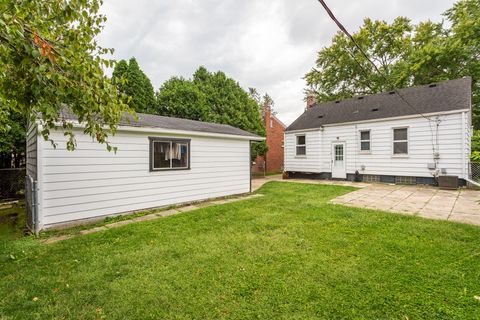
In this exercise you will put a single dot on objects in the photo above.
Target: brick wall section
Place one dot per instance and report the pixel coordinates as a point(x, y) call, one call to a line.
point(275, 129)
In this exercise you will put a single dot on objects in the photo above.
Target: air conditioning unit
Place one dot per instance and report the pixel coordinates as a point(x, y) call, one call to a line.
point(448, 182)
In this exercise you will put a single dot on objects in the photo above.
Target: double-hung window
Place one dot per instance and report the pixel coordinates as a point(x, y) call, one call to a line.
point(365, 140)
point(169, 154)
point(400, 141)
point(301, 146)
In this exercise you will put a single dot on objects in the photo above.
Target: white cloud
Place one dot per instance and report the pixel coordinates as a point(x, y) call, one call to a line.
point(269, 45)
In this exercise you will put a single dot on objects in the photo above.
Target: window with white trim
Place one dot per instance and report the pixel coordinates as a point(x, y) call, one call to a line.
point(301, 146)
point(169, 154)
point(365, 140)
point(400, 141)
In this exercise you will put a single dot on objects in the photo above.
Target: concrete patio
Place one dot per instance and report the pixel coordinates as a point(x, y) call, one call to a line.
point(456, 205)
point(460, 205)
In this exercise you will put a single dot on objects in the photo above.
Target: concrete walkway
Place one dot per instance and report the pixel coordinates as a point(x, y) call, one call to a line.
point(455, 205)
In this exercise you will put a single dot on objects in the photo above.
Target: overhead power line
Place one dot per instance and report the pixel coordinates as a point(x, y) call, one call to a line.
point(345, 31)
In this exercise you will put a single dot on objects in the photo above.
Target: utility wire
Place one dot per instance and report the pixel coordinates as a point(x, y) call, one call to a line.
point(345, 31)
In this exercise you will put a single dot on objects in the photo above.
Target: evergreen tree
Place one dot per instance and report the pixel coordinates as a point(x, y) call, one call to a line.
point(134, 83)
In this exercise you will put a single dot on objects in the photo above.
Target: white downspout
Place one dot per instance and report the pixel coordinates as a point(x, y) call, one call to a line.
point(40, 145)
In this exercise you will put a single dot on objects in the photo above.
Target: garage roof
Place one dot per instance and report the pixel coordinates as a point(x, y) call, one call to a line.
point(171, 123)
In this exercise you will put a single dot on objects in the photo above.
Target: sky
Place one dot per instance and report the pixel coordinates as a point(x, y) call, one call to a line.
point(268, 45)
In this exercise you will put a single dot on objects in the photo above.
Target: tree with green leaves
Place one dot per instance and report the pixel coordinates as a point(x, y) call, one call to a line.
point(135, 84)
point(49, 59)
point(406, 54)
point(212, 97)
point(12, 141)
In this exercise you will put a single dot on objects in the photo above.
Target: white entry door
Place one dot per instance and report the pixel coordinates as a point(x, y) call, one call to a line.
point(338, 160)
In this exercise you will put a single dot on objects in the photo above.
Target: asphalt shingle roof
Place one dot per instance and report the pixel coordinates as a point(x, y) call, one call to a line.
point(154, 121)
point(443, 96)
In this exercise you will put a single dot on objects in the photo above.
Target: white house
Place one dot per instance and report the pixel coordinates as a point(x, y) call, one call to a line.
point(160, 161)
point(411, 135)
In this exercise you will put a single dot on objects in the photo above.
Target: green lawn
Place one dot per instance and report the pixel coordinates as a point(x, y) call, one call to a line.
point(287, 255)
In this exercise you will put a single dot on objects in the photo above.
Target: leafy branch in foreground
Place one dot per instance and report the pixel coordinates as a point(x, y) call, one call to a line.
point(49, 59)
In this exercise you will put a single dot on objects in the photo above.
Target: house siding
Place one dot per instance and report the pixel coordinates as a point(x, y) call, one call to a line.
point(309, 163)
point(380, 160)
point(91, 182)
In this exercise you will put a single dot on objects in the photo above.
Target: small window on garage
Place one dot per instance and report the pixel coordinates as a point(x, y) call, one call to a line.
point(169, 154)
point(400, 141)
point(301, 146)
point(365, 140)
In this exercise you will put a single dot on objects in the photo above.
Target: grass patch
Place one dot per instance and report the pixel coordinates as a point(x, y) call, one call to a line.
point(12, 220)
point(286, 255)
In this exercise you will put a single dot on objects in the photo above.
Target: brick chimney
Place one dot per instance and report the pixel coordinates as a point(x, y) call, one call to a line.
point(266, 111)
point(311, 99)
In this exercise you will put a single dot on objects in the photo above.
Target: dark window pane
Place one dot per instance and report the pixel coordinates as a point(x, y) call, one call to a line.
point(179, 155)
point(400, 134)
point(301, 151)
point(400, 147)
point(161, 155)
point(365, 146)
point(365, 135)
point(300, 139)
point(339, 152)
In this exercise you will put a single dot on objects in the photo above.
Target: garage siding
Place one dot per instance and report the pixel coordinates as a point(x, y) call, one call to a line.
point(91, 182)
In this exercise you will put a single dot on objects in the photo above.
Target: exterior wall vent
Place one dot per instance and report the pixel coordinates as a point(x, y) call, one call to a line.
point(360, 98)
point(391, 92)
point(320, 116)
point(375, 109)
point(338, 101)
point(433, 85)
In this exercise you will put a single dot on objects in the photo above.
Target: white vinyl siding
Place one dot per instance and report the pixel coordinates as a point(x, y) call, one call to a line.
point(380, 159)
point(91, 182)
point(307, 163)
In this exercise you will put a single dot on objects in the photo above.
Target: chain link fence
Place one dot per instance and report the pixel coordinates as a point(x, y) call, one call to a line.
point(12, 183)
point(475, 171)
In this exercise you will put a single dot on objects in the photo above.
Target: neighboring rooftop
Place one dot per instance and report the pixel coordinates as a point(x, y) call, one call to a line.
point(154, 121)
point(437, 97)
